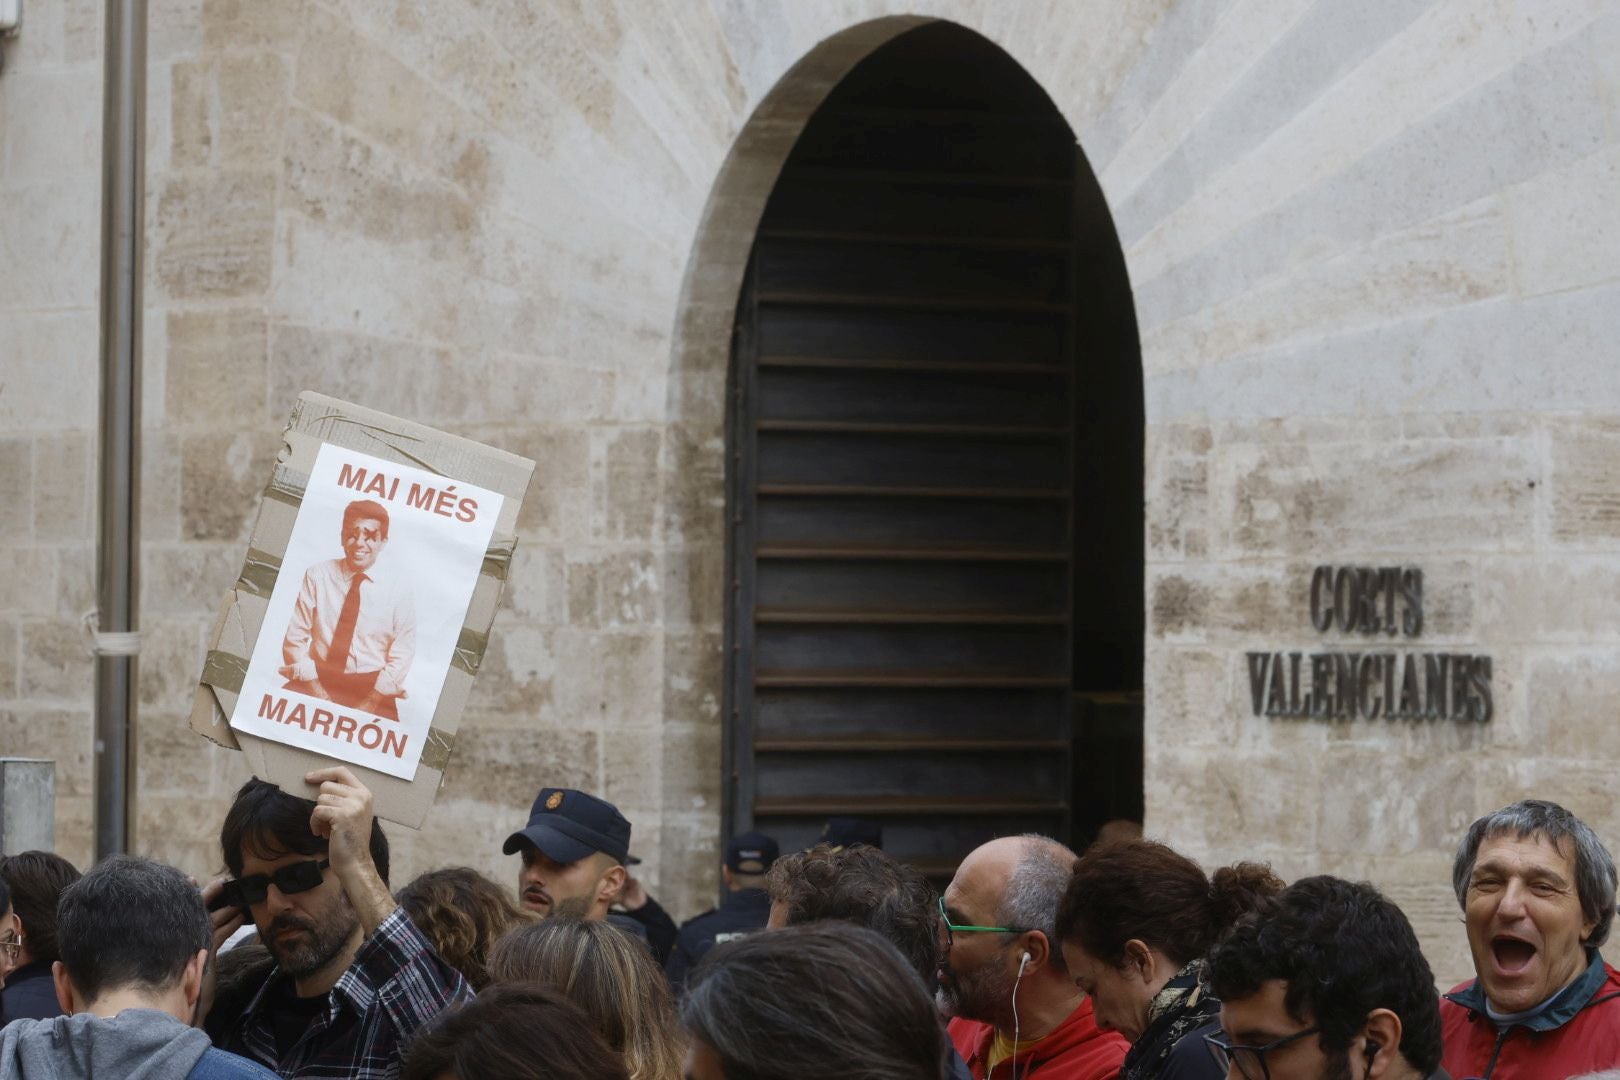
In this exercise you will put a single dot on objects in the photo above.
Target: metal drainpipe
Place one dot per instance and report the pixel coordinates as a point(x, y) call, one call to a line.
point(123, 154)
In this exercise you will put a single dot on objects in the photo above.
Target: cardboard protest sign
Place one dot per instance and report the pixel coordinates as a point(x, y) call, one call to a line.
point(364, 604)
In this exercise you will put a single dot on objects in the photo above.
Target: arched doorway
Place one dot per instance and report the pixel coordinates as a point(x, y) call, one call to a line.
point(935, 472)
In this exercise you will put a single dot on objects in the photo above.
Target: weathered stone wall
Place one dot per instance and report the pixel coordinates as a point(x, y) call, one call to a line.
point(1373, 248)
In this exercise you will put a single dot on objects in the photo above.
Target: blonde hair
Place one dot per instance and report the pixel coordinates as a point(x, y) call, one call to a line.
point(608, 974)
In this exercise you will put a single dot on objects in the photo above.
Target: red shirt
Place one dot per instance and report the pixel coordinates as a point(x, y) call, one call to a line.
point(1077, 1049)
point(1578, 1034)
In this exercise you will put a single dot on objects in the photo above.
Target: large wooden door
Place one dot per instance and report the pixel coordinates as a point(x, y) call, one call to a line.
point(903, 464)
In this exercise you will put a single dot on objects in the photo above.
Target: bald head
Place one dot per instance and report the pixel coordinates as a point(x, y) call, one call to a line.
point(1020, 878)
point(1015, 883)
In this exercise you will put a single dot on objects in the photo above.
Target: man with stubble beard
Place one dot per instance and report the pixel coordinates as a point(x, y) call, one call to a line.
point(354, 979)
point(576, 857)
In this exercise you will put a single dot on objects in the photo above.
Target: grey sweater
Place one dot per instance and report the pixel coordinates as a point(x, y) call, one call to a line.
point(137, 1044)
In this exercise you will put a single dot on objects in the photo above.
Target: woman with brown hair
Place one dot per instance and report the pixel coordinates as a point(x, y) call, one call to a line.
point(608, 974)
point(1136, 923)
point(463, 913)
point(512, 1033)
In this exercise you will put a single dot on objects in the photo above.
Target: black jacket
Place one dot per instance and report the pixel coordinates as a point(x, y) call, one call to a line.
point(743, 912)
point(29, 994)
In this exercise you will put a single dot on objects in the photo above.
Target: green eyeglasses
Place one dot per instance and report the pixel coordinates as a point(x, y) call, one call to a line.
point(955, 928)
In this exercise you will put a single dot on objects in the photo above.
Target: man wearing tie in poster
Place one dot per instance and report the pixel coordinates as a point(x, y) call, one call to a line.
point(353, 631)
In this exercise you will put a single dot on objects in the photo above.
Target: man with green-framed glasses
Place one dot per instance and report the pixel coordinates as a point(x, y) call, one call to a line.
point(1015, 1009)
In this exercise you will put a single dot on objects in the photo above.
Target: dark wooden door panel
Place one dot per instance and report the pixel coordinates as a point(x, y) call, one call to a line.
point(887, 460)
point(917, 717)
point(945, 651)
point(877, 272)
point(911, 586)
point(916, 208)
point(1009, 524)
point(902, 472)
point(949, 397)
point(934, 777)
point(946, 334)
point(939, 143)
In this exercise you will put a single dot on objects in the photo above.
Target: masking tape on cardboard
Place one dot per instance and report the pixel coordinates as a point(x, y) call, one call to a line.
point(436, 749)
point(469, 652)
point(259, 572)
point(224, 670)
point(287, 485)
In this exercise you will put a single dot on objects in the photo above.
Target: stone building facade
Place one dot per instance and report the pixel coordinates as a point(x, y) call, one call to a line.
point(1373, 249)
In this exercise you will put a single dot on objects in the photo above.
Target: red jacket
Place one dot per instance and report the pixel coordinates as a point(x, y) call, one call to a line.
point(1577, 1034)
point(1077, 1049)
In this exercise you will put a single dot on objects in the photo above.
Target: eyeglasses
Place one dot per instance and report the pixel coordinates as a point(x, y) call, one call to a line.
point(11, 945)
point(952, 929)
point(293, 878)
point(1251, 1060)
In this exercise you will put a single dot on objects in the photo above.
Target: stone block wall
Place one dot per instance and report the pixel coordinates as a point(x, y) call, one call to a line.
point(1373, 254)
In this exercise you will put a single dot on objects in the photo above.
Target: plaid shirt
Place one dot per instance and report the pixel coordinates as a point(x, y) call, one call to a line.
point(394, 986)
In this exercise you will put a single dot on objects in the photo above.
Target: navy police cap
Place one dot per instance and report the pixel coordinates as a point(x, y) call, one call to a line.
point(567, 825)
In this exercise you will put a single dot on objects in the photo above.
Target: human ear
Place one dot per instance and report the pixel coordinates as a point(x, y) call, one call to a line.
point(1138, 959)
point(1380, 1043)
point(64, 987)
point(191, 979)
point(1038, 948)
point(612, 884)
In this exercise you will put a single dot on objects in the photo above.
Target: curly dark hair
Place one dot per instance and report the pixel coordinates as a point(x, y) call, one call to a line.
point(1142, 889)
point(463, 913)
point(1344, 950)
point(864, 886)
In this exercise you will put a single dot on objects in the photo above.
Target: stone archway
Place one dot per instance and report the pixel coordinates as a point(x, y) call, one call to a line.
point(698, 583)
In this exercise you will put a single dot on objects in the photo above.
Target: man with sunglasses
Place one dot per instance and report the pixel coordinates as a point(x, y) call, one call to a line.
point(1016, 1011)
point(354, 980)
point(1327, 982)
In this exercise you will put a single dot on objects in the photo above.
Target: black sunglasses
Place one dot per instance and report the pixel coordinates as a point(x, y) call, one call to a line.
point(1251, 1060)
point(293, 878)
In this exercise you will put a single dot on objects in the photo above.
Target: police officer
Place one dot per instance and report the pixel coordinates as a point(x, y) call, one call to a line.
point(743, 911)
point(576, 858)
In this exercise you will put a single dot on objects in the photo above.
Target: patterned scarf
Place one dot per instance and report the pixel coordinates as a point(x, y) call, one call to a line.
point(1182, 1006)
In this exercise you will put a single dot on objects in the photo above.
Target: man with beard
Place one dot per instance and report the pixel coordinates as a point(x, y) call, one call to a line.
point(1016, 1011)
point(1537, 890)
point(354, 980)
point(1326, 983)
point(576, 850)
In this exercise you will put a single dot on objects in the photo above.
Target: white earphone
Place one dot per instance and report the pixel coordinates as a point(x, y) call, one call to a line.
point(1023, 962)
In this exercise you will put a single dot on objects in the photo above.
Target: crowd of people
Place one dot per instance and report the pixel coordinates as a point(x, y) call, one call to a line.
point(1127, 960)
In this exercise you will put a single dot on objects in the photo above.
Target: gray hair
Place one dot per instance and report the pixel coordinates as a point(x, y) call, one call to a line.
point(822, 999)
point(1594, 866)
point(1035, 890)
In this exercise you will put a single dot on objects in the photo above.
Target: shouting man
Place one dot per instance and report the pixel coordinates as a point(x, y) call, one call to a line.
point(1537, 890)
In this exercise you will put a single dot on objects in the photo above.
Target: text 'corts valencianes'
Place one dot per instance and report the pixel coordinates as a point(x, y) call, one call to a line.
point(1371, 683)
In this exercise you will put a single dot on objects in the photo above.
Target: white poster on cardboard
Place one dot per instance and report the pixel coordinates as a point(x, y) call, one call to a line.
point(367, 610)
